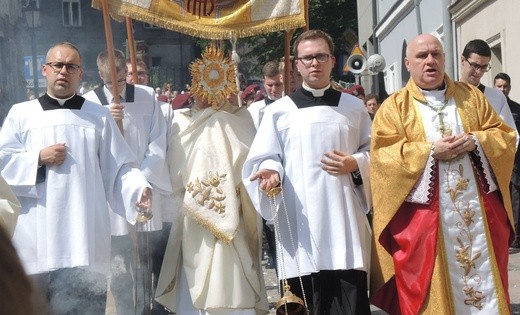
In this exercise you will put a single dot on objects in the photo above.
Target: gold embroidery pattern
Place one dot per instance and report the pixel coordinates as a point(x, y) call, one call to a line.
point(208, 192)
point(465, 255)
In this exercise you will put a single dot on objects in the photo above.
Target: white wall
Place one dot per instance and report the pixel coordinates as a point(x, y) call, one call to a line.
point(398, 24)
point(496, 22)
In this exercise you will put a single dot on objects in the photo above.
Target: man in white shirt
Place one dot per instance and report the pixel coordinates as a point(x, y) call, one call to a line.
point(142, 72)
point(273, 86)
point(65, 158)
point(144, 129)
point(474, 63)
point(311, 142)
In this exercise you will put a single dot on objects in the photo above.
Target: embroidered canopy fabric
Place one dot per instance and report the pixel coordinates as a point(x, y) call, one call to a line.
point(213, 19)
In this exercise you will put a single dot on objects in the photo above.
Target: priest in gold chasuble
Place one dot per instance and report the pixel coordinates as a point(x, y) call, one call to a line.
point(441, 162)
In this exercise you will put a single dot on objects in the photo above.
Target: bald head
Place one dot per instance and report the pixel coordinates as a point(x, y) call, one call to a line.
point(62, 70)
point(425, 61)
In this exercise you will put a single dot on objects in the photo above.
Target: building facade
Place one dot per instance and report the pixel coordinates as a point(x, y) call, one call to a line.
point(386, 26)
point(166, 53)
point(12, 83)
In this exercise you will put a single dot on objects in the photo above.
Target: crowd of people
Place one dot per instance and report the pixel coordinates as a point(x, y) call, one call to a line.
point(161, 200)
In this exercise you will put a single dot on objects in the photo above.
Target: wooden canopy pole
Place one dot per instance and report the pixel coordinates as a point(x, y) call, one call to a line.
point(306, 8)
point(111, 57)
point(287, 48)
point(131, 47)
point(287, 61)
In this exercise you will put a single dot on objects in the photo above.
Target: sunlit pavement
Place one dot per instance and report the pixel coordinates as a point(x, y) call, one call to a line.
point(514, 280)
point(273, 295)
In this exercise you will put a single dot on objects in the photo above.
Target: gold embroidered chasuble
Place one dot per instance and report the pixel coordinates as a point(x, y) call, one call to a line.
point(399, 154)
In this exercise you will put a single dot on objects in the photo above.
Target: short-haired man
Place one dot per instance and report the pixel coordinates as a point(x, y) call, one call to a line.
point(311, 142)
point(273, 86)
point(145, 132)
point(441, 160)
point(65, 158)
point(142, 72)
point(274, 89)
point(372, 104)
point(475, 61)
point(503, 83)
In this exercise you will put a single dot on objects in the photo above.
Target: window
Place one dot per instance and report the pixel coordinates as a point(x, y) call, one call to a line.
point(71, 13)
point(391, 79)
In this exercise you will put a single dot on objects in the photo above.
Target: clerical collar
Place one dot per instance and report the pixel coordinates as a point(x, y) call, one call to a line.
point(434, 97)
point(315, 92)
point(481, 87)
point(48, 102)
point(268, 101)
point(61, 101)
point(304, 97)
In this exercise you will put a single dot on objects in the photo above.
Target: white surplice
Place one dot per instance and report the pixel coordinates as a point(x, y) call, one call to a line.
point(64, 220)
point(145, 132)
point(256, 109)
point(326, 213)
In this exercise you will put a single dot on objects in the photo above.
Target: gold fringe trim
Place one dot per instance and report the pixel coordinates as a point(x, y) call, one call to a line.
point(214, 32)
point(227, 238)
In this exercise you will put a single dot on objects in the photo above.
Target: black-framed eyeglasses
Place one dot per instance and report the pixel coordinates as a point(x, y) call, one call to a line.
point(120, 82)
point(478, 67)
point(321, 58)
point(57, 66)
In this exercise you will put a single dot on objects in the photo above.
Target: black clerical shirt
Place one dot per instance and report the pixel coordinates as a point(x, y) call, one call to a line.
point(49, 103)
point(304, 98)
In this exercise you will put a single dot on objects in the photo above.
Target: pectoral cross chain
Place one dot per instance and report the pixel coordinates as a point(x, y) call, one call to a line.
point(443, 129)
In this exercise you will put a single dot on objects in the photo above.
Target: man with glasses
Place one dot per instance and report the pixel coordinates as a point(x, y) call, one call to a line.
point(145, 132)
point(58, 154)
point(475, 62)
point(310, 143)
